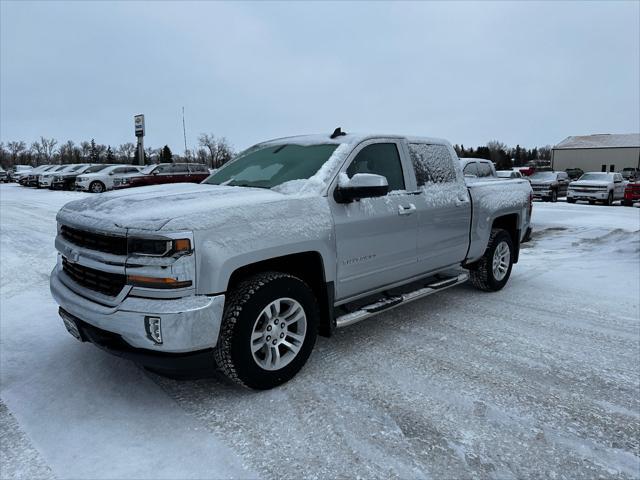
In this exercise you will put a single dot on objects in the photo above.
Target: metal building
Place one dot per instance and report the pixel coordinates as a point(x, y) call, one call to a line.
point(597, 153)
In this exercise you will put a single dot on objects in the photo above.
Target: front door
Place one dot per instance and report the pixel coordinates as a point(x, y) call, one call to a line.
point(375, 237)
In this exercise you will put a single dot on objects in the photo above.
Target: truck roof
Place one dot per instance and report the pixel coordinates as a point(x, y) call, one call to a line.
point(349, 138)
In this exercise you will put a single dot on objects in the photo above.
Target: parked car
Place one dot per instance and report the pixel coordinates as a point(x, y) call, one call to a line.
point(597, 186)
point(508, 174)
point(548, 186)
point(294, 236)
point(4, 176)
point(631, 194)
point(630, 174)
point(46, 178)
point(101, 180)
point(31, 178)
point(165, 173)
point(574, 173)
point(66, 180)
point(477, 168)
point(526, 171)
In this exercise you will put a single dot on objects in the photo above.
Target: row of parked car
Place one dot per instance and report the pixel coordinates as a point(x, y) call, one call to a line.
point(97, 178)
point(550, 185)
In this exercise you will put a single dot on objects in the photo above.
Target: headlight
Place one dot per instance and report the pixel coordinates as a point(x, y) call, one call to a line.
point(158, 248)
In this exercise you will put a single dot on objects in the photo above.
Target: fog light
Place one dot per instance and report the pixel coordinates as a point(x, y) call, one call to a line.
point(154, 331)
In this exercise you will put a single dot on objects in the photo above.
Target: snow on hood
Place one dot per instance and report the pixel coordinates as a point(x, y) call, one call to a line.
point(590, 183)
point(185, 205)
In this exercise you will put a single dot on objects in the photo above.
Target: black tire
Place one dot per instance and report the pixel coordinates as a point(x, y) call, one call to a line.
point(243, 306)
point(627, 203)
point(592, 202)
point(554, 196)
point(481, 272)
point(609, 200)
point(571, 200)
point(96, 187)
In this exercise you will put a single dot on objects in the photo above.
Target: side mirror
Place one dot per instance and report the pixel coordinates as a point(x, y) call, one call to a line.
point(155, 172)
point(361, 185)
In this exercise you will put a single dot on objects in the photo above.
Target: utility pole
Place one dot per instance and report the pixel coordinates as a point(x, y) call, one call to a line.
point(184, 133)
point(138, 121)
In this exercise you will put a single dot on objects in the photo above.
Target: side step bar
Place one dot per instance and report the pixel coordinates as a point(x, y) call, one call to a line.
point(387, 303)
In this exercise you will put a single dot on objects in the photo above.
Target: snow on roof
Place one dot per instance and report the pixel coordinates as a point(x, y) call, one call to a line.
point(603, 140)
point(349, 138)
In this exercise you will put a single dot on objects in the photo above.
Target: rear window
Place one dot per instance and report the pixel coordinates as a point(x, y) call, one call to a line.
point(432, 163)
point(484, 170)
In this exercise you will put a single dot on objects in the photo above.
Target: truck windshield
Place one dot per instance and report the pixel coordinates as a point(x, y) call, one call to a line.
point(602, 177)
point(269, 166)
point(543, 176)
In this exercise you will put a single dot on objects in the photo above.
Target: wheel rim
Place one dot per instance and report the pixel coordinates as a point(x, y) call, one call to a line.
point(97, 188)
point(501, 259)
point(278, 334)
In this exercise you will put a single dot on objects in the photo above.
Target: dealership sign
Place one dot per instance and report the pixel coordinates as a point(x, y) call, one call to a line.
point(138, 121)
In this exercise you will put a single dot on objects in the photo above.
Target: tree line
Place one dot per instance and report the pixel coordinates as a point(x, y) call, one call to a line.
point(211, 150)
point(506, 157)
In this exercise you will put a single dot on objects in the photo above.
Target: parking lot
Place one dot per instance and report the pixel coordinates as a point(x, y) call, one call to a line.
point(539, 379)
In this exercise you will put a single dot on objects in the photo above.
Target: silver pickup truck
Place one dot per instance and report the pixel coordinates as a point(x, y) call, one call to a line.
point(295, 237)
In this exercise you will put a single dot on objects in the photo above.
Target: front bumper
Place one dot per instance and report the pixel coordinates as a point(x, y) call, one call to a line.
point(82, 186)
point(188, 324)
point(596, 195)
point(44, 182)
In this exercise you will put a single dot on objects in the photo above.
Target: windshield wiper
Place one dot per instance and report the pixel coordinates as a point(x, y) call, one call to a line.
point(246, 185)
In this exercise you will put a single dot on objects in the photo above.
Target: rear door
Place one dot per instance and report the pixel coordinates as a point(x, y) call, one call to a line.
point(443, 204)
point(618, 186)
point(180, 173)
point(375, 237)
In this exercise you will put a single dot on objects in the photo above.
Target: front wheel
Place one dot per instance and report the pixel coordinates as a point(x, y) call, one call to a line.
point(268, 330)
point(571, 200)
point(609, 200)
point(493, 270)
point(554, 196)
point(97, 187)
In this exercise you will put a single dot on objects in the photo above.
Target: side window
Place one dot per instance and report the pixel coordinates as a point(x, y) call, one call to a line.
point(484, 170)
point(119, 170)
point(163, 169)
point(381, 159)
point(432, 163)
point(179, 168)
point(471, 169)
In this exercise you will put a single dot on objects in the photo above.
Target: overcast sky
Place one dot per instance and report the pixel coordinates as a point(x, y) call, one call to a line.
point(521, 72)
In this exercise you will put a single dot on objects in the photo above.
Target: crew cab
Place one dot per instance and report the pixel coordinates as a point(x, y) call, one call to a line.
point(548, 186)
point(294, 237)
point(631, 194)
point(101, 180)
point(597, 186)
point(66, 179)
point(165, 173)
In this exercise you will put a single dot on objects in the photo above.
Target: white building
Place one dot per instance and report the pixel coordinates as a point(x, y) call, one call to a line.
point(597, 153)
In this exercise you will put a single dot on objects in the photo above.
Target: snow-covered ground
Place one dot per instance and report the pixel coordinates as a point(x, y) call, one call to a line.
point(540, 379)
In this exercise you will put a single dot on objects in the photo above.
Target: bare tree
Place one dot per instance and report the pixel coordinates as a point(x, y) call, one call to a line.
point(66, 152)
point(16, 148)
point(219, 149)
point(48, 144)
point(85, 148)
point(126, 150)
point(38, 150)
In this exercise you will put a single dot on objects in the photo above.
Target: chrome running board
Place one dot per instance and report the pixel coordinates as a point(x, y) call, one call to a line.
point(387, 303)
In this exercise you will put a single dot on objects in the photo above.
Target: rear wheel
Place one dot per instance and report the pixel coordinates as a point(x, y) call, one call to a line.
point(571, 200)
point(554, 196)
point(493, 270)
point(592, 202)
point(268, 330)
point(97, 187)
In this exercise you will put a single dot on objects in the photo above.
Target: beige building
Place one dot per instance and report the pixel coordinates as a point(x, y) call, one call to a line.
point(597, 153)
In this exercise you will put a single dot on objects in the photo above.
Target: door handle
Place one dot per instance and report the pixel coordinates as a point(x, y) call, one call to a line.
point(460, 201)
point(408, 210)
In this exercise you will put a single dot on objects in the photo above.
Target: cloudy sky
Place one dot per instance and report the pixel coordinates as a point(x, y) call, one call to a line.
point(521, 72)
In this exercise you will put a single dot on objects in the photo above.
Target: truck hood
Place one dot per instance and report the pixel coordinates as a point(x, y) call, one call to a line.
point(590, 183)
point(174, 207)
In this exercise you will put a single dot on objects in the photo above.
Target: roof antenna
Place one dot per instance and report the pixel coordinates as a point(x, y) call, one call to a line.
point(337, 133)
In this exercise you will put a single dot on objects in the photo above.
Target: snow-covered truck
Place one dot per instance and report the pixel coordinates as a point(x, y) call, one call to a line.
point(295, 237)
